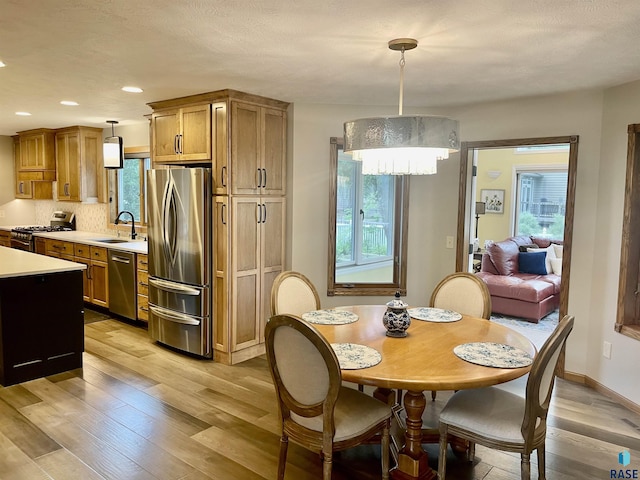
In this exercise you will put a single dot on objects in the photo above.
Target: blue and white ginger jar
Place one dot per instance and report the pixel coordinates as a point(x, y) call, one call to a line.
point(396, 319)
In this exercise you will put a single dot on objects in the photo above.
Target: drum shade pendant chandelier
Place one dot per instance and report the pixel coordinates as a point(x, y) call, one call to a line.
point(403, 144)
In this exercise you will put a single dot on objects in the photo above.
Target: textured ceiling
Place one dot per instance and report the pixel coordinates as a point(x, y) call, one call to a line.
point(307, 51)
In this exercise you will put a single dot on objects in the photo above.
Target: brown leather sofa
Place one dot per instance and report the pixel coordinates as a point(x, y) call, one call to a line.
point(526, 295)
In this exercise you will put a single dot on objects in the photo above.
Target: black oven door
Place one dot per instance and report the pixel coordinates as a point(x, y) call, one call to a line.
point(22, 244)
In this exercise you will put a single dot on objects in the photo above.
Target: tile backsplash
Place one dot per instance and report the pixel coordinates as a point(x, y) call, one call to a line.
point(90, 217)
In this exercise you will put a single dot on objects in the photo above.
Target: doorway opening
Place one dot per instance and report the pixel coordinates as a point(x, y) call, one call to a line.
point(516, 187)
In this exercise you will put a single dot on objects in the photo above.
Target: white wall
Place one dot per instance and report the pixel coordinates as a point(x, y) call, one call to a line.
point(133, 135)
point(432, 206)
point(433, 200)
point(16, 211)
point(621, 108)
point(577, 113)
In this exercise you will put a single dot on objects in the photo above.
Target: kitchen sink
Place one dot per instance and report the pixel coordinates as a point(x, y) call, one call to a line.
point(110, 240)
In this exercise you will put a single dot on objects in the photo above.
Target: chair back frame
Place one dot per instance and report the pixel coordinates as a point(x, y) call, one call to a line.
point(286, 400)
point(540, 382)
point(486, 296)
point(280, 279)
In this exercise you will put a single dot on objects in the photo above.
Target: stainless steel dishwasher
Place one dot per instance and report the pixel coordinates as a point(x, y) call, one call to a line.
point(122, 283)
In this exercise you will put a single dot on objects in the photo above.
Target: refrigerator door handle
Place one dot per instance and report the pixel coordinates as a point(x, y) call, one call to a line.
point(173, 316)
point(169, 221)
point(172, 287)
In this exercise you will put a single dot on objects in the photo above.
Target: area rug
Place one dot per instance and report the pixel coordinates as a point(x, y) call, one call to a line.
point(536, 332)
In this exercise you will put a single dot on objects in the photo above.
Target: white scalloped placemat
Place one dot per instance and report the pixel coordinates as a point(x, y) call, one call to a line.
point(490, 354)
point(330, 317)
point(353, 356)
point(431, 314)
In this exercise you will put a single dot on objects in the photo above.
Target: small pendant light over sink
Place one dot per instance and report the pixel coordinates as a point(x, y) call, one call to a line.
point(403, 144)
point(112, 149)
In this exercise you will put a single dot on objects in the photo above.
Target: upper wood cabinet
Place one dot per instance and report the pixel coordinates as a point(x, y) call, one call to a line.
point(181, 135)
point(245, 139)
point(257, 150)
point(28, 183)
point(37, 151)
point(79, 164)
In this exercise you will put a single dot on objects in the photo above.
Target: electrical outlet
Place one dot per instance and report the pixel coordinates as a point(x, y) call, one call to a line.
point(449, 242)
point(606, 350)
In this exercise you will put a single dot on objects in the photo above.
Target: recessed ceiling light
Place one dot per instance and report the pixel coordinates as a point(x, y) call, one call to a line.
point(23, 114)
point(2, 64)
point(70, 103)
point(132, 89)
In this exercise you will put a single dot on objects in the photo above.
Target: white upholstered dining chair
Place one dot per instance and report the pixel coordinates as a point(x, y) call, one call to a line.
point(315, 410)
point(502, 420)
point(464, 293)
point(293, 293)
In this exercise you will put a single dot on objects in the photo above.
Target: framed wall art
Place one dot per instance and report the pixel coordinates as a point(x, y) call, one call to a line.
point(493, 199)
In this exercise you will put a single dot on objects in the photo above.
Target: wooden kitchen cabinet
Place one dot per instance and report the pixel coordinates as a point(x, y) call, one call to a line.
point(41, 245)
point(247, 152)
point(59, 249)
point(255, 227)
point(142, 262)
point(96, 276)
point(249, 146)
point(30, 181)
point(26, 186)
point(79, 164)
point(37, 152)
point(181, 135)
point(257, 165)
point(5, 238)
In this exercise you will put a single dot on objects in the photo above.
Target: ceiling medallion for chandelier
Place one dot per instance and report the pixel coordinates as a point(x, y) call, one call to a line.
point(403, 144)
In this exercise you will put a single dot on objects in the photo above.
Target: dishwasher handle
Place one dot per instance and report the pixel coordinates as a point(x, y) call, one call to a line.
point(118, 259)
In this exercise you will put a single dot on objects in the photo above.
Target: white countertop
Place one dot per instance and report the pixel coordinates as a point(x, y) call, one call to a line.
point(18, 263)
point(135, 246)
point(89, 238)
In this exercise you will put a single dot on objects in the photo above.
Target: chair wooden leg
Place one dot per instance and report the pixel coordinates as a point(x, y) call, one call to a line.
point(541, 463)
point(384, 450)
point(442, 456)
point(327, 465)
point(525, 466)
point(282, 459)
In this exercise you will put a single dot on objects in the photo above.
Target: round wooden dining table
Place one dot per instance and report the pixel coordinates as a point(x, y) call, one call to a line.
point(423, 361)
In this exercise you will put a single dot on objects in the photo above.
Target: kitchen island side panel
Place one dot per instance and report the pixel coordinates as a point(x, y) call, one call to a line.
point(41, 325)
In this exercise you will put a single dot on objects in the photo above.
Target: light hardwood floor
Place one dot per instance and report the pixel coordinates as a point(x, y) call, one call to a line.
point(140, 411)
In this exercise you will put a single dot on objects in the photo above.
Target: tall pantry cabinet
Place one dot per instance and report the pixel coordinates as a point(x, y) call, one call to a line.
point(248, 159)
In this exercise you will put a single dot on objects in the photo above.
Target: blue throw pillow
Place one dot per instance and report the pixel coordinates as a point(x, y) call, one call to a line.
point(532, 262)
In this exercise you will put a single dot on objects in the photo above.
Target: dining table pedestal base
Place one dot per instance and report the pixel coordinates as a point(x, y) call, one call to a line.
point(413, 461)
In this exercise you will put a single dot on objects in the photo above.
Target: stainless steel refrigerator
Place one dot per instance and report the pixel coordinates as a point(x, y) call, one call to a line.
point(180, 249)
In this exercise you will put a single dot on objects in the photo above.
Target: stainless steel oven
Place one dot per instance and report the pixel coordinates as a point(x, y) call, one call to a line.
point(22, 237)
point(22, 244)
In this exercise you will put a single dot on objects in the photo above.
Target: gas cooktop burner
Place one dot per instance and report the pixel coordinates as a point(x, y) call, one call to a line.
point(38, 228)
